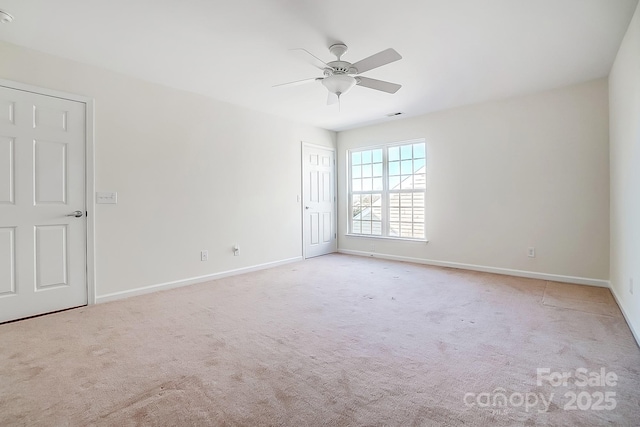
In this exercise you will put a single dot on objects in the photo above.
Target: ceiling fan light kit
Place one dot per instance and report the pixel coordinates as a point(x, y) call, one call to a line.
point(339, 83)
point(340, 76)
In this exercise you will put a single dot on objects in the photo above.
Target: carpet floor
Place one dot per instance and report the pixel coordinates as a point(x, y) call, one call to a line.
point(336, 340)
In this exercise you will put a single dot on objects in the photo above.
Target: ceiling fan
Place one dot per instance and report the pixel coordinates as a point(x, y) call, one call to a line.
point(340, 76)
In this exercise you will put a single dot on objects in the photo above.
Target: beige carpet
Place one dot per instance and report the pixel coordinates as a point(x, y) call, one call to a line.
point(337, 340)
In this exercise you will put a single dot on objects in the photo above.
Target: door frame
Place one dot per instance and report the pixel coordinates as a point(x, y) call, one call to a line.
point(89, 168)
point(303, 190)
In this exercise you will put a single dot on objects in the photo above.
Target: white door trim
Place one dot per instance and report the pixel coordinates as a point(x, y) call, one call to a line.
point(302, 190)
point(89, 171)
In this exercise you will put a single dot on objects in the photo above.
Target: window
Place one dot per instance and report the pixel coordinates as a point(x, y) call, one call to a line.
point(387, 188)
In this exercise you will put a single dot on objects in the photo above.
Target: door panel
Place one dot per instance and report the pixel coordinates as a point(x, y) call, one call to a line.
point(319, 201)
point(50, 172)
point(327, 189)
point(326, 227)
point(51, 256)
point(6, 178)
point(313, 186)
point(315, 228)
point(42, 181)
point(7, 108)
point(7, 261)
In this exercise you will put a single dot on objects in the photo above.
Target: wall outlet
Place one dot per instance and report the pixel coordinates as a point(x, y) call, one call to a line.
point(236, 250)
point(631, 286)
point(204, 255)
point(531, 252)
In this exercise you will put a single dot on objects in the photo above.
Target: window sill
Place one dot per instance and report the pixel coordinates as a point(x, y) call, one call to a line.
point(403, 239)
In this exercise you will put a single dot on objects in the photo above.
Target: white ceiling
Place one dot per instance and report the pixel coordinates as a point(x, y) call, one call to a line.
point(455, 52)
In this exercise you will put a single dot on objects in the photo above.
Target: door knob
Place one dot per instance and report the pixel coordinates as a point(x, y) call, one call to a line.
point(77, 214)
point(306, 207)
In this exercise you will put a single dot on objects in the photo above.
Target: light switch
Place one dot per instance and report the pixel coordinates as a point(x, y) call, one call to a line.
point(107, 197)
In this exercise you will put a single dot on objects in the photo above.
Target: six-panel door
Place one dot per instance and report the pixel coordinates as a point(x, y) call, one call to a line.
point(319, 199)
point(42, 184)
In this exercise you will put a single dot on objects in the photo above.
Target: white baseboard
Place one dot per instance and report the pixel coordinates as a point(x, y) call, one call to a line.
point(624, 313)
point(191, 281)
point(496, 270)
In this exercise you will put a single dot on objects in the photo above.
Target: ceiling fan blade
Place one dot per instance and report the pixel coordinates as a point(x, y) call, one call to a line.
point(332, 99)
point(299, 82)
point(312, 59)
point(377, 60)
point(378, 84)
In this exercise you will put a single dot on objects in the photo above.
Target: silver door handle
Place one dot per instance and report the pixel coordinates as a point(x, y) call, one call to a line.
point(306, 207)
point(77, 214)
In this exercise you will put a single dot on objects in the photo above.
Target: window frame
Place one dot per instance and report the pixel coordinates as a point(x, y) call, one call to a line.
point(385, 192)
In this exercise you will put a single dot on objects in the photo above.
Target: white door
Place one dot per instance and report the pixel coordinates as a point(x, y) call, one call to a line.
point(319, 221)
point(42, 204)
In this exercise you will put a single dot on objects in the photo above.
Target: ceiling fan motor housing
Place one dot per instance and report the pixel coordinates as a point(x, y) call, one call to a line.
point(342, 67)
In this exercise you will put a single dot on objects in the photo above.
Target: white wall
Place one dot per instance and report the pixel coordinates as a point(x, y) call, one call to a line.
point(191, 173)
point(506, 175)
point(624, 101)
